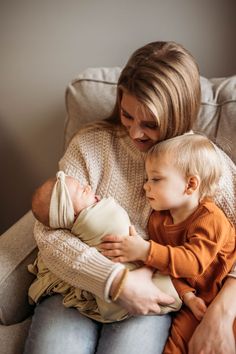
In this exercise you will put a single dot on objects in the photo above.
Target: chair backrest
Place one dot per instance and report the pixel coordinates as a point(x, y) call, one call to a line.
point(91, 96)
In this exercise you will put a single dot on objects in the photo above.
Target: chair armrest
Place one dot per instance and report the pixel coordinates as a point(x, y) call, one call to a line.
point(17, 250)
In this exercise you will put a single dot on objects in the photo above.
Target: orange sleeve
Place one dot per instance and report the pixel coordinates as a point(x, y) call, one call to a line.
point(182, 287)
point(206, 237)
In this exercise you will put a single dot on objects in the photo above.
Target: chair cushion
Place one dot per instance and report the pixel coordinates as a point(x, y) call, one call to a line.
point(217, 116)
point(12, 338)
point(92, 95)
point(17, 250)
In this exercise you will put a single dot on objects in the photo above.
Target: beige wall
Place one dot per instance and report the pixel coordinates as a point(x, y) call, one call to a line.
point(44, 44)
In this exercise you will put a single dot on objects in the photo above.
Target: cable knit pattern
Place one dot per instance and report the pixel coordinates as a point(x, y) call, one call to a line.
point(111, 164)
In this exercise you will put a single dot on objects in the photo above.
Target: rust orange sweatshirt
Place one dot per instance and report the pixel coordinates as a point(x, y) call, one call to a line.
point(201, 249)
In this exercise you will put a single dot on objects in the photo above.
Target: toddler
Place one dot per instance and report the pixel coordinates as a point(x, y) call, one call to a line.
point(190, 237)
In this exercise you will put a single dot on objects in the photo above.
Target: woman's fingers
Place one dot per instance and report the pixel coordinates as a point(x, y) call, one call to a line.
point(164, 299)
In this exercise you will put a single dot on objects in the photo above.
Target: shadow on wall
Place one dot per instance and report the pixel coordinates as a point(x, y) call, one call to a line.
point(23, 170)
point(14, 178)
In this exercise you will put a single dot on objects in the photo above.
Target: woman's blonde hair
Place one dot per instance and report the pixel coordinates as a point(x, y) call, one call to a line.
point(192, 155)
point(164, 77)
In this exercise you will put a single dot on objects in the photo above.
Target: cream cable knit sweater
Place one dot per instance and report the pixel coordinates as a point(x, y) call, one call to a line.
point(112, 165)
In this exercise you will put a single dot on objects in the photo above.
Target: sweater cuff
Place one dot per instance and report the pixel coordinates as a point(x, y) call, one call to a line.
point(99, 274)
point(117, 268)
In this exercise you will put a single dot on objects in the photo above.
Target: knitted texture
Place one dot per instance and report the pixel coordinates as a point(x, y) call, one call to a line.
point(112, 165)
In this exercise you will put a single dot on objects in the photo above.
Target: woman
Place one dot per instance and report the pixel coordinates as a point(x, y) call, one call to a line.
point(158, 97)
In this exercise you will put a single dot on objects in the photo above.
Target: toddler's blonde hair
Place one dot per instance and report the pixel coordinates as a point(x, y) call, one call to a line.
point(192, 155)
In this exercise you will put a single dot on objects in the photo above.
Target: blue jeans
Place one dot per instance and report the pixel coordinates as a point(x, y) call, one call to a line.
point(59, 330)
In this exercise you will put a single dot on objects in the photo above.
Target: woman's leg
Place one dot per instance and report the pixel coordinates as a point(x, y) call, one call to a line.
point(59, 330)
point(136, 335)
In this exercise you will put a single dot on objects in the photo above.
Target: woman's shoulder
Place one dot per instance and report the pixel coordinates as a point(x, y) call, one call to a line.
point(91, 141)
point(101, 127)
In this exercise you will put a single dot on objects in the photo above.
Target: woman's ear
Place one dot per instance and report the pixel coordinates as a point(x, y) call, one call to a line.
point(193, 183)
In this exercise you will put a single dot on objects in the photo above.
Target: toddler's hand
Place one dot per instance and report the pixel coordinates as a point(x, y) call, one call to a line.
point(196, 305)
point(125, 248)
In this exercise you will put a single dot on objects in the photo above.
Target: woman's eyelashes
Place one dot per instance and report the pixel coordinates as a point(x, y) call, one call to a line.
point(126, 114)
point(143, 124)
point(149, 125)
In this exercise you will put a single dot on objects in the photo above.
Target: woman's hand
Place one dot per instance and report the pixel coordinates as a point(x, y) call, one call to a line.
point(139, 295)
point(125, 248)
point(214, 334)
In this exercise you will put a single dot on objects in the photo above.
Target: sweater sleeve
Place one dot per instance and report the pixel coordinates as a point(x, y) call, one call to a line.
point(74, 262)
point(206, 237)
point(226, 195)
point(63, 253)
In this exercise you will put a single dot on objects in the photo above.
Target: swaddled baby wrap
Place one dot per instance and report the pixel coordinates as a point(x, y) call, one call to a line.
point(103, 218)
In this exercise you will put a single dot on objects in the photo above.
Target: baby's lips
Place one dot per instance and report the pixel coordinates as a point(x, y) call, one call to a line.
point(98, 198)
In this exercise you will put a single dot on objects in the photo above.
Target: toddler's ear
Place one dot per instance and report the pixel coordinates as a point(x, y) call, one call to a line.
point(193, 183)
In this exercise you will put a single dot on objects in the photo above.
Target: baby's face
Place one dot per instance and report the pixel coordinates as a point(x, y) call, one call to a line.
point(81, 196)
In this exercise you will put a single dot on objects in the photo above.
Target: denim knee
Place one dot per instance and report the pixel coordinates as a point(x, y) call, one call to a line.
point(59, 330)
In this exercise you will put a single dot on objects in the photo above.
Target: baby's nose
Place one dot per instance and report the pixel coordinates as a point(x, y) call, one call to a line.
point(88, 188)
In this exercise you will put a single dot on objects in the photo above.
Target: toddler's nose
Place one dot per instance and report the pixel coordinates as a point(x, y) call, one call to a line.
point(145, 186)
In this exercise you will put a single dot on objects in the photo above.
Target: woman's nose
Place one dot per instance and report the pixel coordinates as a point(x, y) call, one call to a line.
point(145, 186)
point(136, 131)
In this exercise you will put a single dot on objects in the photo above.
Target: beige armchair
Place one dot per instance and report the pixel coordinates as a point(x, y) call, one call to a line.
point(91, 96)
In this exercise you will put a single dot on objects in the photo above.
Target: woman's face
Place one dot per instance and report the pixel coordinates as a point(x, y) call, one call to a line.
point(139, 122)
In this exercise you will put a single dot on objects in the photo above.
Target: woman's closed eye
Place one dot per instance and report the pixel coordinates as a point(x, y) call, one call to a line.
point(149, 125)
point(143, 124)
point(126, 115)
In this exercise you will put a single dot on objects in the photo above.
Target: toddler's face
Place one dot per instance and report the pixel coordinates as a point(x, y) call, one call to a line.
point(81, 196)
point(166, 186)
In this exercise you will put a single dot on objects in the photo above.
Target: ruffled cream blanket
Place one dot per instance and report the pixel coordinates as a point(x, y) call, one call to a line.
point(104, 217)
